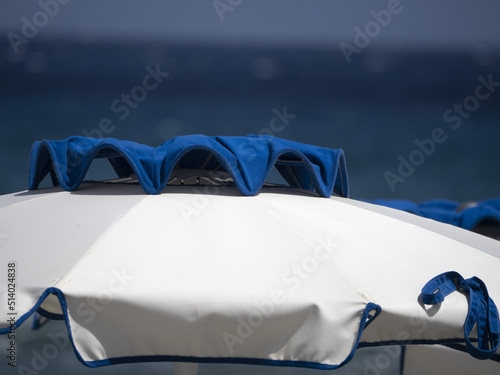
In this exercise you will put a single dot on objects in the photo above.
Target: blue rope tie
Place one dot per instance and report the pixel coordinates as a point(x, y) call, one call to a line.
point(482, 310)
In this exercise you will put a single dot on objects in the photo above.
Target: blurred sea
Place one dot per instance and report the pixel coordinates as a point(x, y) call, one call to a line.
point(375, 108)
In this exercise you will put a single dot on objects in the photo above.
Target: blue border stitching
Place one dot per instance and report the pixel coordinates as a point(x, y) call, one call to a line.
point(336, 180)
point(366, 319)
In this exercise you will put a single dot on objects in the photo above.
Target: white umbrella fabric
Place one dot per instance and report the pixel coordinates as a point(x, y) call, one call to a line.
point(206, 274)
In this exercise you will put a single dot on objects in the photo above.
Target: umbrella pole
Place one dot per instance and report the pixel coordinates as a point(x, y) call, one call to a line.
point(185, 368)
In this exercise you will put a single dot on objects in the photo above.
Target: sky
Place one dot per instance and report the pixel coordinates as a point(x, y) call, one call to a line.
point(402, 24)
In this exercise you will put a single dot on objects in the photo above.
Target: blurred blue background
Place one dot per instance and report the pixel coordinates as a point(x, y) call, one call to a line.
point(374, 78)
point(371, 78)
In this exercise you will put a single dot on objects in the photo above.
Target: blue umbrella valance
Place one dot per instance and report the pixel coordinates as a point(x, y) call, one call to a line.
point(247, 161)
point(468, 215)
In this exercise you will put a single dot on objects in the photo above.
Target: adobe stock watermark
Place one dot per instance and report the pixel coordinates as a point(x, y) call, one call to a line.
point(11, 287)
point(277, 124)
point(204, 194)
point(32, 25)
point(223, 6)
point(292, 279)
point(128, 101)
point(121, 106)
point(40, 358)
point(118, 282)
point(454, 118)
point(377, 364)
point(202, 198)
point(363, 36)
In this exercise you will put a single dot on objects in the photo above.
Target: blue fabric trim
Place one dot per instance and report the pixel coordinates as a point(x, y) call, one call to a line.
point(25, 316)
point(450, 343)
point(365, 320)
point(242, 361)
point(49, 315)
point(368, 318)
point(370, 312)
point(39, 321)
point(248, 159)
point(482, 312)
point(409, 342)
point(449, 212)
point(62, 300)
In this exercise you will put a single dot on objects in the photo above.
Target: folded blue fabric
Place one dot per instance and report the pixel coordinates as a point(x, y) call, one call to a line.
point(248, 160)
point(482, 314)
point(466, 216)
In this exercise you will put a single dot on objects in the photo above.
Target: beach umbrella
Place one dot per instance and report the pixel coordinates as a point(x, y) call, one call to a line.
point(481, 217)
point(215, 266)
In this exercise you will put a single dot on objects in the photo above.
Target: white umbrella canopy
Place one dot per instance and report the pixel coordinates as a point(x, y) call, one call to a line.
point(206, 274)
